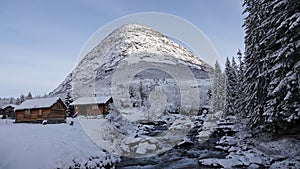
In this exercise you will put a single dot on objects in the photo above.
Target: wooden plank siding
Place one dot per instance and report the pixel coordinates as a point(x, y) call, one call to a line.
point(56, 113)
point(89, 110)
point(92, 107)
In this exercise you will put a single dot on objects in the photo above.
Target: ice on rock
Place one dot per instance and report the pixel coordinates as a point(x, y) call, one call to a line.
point(209, 162)
point(228, 140)
point(255, 159)
point(144, 147)
point(224, 163)
point(130, 140)
point(254, 166)
point(285, 164)
point(277, 158)
point(229, 163)
point(239, 157)
point(140, 146)
point(233, 149)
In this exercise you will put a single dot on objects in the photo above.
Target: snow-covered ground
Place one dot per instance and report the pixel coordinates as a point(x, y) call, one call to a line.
point(245, 150)
point(125, 138)
point(49, 146)
point(37, 146)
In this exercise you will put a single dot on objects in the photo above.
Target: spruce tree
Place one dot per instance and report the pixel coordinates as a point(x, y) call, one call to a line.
point(228, 103)
point(240, 90)
point(22, 98)
point(235, 91)
point(240, 67)
point(283, 48)
point(218, 89)
point(18, 101)
point(29, 96)
point(231, 87)
point(255, 83)
point(272, 64)
point(68, 101)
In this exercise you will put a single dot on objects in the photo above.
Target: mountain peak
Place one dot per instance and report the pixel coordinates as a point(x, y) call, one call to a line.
point(135, 38)
point(127, 40)
point(131, 26)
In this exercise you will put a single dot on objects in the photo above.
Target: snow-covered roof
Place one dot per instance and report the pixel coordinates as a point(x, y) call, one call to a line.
point(7, 105)
point(91, 100)
point(37, 103)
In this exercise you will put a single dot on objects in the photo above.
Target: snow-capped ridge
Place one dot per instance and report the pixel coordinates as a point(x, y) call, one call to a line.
point(122, 43)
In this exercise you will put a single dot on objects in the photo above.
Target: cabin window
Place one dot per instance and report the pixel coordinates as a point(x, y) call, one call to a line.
point(95, 107)
point(40, 113)
point(27, 113)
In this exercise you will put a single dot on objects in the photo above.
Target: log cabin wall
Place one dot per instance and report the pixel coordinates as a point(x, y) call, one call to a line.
point(92, 109)
point(32, 115)
point(57, 111)
point(54, 114)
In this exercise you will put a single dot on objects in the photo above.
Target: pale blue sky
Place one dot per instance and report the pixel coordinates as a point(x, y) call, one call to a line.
point(40, 40)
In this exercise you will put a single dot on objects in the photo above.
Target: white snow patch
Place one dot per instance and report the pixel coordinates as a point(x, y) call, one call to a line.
point(43, 146)
point(144, 147)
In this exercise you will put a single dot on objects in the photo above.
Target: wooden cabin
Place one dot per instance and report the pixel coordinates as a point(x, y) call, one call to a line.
point(8, 111)
point(37, 110)
point(92, 106)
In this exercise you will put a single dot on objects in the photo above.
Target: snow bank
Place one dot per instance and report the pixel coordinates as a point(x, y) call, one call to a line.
point(43, 146)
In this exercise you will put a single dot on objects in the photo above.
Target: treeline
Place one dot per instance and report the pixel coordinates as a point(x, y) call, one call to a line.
point(22, 98)
point(264, 88)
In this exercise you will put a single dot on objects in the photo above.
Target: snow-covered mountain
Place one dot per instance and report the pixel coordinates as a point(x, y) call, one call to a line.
point(63, 87)
point(95, 70)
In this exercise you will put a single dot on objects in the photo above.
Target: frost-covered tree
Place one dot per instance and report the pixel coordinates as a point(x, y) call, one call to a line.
point(231, 86)
point(241, 67)
point(272, 50)
point(283, 48)
point(240, 90)
point(234, 67)
point(218, 89)
point(18, 101)
point(254, 83)
point(29, 96)
point(22, 98)
point(235, 84)
point(68, 101)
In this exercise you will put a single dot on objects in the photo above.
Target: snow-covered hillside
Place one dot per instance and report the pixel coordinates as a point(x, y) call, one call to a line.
point(61, 90)
point(96, 69)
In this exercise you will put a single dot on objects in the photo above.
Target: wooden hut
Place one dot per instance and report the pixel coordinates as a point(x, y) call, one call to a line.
point(92, 106)
point(37, 110)
point(8, 111)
